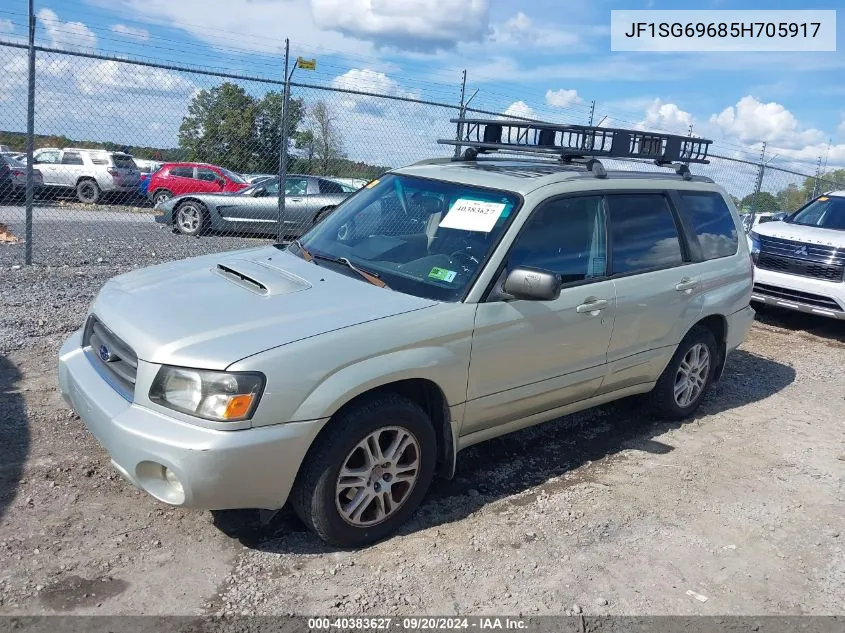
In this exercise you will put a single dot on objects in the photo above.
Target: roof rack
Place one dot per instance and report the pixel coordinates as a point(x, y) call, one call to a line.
point(578, 143)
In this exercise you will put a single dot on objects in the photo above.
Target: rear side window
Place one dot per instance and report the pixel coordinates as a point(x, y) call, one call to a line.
point(643, 233)
point(327, 186)
point(123, 160)
point(709, 217)
point(182, 172)
point(72, 158)
point(99, 159)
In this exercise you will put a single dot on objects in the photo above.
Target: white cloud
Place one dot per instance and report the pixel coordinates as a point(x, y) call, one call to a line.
point(521, 30)
point(667, 117)
point(752, 121)
point(128, 79)
point(424, 25)
point(130, 32)
point(563, 98)
point(67, 35)
point(367, 80)
point(6, 26)
point(520, 109)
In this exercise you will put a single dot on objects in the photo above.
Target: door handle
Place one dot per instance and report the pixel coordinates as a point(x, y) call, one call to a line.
point(686, 285)
point(296, 200)
point(594, 305)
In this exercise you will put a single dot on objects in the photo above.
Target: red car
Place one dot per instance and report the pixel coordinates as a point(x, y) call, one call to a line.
point(175, 179)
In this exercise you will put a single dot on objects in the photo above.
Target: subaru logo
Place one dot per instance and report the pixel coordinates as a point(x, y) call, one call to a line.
point(104, 353)
point(802, 251)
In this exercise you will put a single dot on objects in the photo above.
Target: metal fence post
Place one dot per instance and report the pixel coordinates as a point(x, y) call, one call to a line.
point(283, 150)
point(758, 186)
point(459, 131)
point(30, 135)
point(592, 112)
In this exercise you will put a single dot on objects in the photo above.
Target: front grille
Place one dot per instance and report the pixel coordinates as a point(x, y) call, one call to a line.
point(115, 360)
point(798, 258)
point(797, 296)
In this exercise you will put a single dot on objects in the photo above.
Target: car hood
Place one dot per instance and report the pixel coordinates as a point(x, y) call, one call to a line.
point(801, 233)
point(209, 312)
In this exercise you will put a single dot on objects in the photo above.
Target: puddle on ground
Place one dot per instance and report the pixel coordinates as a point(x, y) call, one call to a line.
point(73, 592)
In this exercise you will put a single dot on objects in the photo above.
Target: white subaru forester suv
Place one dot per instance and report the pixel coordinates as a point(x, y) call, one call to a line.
point(799, 262)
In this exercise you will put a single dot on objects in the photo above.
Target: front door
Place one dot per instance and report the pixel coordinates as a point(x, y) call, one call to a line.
point(530, 357)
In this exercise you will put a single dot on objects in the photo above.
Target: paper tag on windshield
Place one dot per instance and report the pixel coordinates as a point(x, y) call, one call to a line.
point(473, 215)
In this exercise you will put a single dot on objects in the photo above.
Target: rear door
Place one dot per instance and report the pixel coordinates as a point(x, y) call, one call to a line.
point(181, 180)
point(657, 286)
point(72, 168)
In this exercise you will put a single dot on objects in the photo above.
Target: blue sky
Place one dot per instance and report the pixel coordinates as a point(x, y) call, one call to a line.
point(546, 58)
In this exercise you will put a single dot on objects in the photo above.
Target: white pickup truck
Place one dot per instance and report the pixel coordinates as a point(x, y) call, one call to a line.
point(799, 262)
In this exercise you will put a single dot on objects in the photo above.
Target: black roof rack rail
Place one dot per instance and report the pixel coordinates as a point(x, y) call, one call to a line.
point(578, 143)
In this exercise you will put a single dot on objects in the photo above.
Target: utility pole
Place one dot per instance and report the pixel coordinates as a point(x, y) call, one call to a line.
point(30, 135)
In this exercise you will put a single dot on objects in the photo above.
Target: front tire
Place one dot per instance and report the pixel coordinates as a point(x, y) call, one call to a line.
point(681, 386)
point(88, 191)
point(190, 218)
point(368, 473)
point(160, 196)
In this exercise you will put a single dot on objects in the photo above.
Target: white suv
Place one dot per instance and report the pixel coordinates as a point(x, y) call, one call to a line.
point(799, 262)
point(90, 172)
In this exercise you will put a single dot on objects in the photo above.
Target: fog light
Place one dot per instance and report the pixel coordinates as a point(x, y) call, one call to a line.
point(172, 480)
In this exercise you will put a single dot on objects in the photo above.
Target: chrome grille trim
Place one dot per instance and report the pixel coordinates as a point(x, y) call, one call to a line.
point(801, 258)
point(797, 296)
point(121, 367)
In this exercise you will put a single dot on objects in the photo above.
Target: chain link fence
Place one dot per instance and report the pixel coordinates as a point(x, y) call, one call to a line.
point(118, 144)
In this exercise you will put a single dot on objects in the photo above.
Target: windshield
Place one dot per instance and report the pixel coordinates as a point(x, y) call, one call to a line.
point(16, 164)
point(233, 176)
point(423, 237)
point(827, 212)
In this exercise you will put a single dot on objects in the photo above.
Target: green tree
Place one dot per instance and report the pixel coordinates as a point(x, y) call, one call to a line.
point(761, 202)
point(321, 142)
point(229, 127)
point(791, 198)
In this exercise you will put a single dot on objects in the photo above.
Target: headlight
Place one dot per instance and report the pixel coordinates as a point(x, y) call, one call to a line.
point(754, 245)
point(211, 395)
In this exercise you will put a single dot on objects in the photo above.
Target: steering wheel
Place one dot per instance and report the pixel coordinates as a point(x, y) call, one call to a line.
point(467, 256)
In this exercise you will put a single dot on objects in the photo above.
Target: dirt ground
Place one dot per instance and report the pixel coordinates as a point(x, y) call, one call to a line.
point(738, 511)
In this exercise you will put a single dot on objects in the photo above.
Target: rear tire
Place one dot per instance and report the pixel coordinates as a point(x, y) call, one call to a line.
point(680, 388)
point(387, 447)
point(190, 218)
point(88, 191)
point(161, 195)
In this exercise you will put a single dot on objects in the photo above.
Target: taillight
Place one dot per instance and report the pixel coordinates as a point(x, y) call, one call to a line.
point(18, 173)
point(113, 172)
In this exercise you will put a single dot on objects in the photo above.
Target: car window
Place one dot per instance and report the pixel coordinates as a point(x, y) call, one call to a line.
point(712, 222)
point(207, 175)
point(296, 186)
point(99, 159)
point(72, 158)
point(123, 161)
point(48, 157)
point(564, 236)
point(327, 186)
point(237, 178)
point(423, 237)
point(271, 187)
point(643, 233)
point(182, 172)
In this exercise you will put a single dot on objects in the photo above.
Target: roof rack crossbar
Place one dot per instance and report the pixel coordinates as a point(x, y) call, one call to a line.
point(583, 141)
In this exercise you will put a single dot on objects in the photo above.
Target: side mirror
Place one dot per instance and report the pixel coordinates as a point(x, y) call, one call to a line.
point(532, 285)
point(221, 183)
point(260, 192)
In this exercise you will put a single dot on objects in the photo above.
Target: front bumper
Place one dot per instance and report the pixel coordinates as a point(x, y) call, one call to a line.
point(216, 470)
point(802, 294)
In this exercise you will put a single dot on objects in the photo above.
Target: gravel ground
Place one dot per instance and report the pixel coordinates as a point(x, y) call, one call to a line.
point(738, 511)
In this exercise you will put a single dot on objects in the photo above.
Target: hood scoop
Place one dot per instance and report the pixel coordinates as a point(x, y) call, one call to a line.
point(261, 279)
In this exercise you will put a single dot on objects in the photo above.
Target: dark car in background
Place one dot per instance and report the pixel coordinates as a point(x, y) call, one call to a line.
point(13, 178)
point(176, 179)
point(255, 210)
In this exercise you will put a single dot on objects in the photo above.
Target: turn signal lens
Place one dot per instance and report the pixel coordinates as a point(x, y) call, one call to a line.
point(238, 406)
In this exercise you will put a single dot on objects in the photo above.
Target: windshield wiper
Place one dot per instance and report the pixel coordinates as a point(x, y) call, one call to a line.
point(306, 255)
point(373, 278)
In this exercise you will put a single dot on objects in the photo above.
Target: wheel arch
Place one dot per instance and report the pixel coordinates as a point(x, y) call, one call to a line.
point(718, 326)
point(426, 394)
